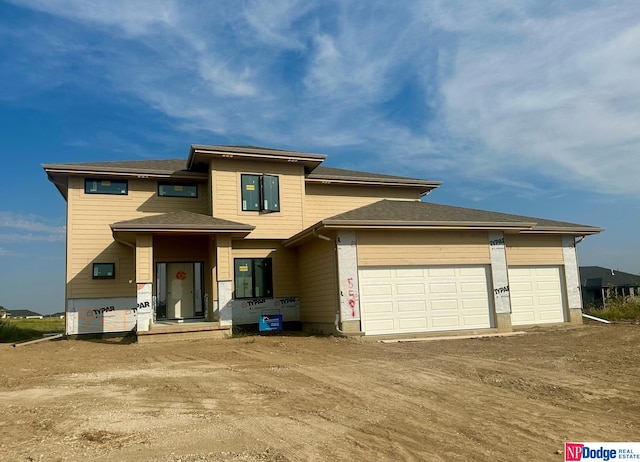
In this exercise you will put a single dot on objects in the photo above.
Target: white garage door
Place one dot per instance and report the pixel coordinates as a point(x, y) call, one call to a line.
point(421, 299)
point(537, 295)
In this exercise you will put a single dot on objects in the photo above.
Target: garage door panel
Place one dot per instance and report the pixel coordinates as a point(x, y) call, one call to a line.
point(402, 273)
point(521, 301)
point(446, 322)
point(520, 286)
point(550, 300)
point(411, 324)
point(536, 295)
point(379, 273)
point(474, 304)
point(473, 287)
point(471, 321)
point(549, 316)
point(411, 306)
point(380, 308)
point(383, 325)
point(374, 290)
point(443, 272)
point(425, 299)
point(410, 289)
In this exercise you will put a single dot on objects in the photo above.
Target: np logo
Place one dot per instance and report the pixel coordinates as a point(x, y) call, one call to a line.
point(181, 275)
point(572, 451)
point(579, 451)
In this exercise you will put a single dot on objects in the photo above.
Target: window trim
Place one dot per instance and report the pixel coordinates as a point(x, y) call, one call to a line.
point(113, 266)
point(244, 203)
point(168, 183)
point(268, 289)
point(262, 205)
point(111, 193)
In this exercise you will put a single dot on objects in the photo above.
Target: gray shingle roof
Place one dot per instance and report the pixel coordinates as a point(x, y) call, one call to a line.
point(321, 173)
point(426, 213)
point(596, 276)
point(180, 220)
point(165, 166)
point(21, 313)
point(169, 166)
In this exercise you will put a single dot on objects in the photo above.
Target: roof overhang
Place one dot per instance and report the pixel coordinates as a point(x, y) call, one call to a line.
point(178, 223)
point(69, 169)
point(423, 186)
point(129, 234)
point(58, 174)
point(507, 227)
point(200, 155)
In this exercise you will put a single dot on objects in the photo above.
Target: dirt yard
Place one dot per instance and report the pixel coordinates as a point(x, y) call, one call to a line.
point(295, 398)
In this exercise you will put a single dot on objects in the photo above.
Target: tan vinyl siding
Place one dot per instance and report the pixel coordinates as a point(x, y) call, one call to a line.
point(89, 237)
point(532, 249)
point(227, 197)
point(224, 260)
point(324, 201)
point(318, 282)
point(284, 260)
point(180, 248)
point(144, 258)
point(399, 248)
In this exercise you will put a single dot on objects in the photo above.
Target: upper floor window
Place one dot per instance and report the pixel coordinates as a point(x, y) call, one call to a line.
point(260, 193)
point(177, 190)
point(95, 186)
point(104, 271)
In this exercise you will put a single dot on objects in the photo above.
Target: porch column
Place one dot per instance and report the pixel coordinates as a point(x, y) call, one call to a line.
point(500, 277)
point(224, 271)
point(144, 278)
point(212, 284)
point(572, 278)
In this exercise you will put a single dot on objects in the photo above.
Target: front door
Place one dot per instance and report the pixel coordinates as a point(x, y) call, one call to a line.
point(179, 290)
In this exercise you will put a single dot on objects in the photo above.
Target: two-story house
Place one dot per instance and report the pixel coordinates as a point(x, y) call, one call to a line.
point(234, 233)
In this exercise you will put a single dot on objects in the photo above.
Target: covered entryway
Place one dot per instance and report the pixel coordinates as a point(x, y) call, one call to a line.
point(407, 299)
point(537, 295)
point(180, 290)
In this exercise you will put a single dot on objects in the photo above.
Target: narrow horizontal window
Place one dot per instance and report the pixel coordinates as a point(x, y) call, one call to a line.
point(95, 186)
point(104, 271)
point(177, 190)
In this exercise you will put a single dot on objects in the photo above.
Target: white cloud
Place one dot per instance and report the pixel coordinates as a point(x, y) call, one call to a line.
point(32, 227)
point(557, 96)
point(508, 90)
point(133, 18)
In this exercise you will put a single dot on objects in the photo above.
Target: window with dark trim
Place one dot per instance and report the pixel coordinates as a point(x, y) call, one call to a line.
point(104, 271)
point(260, 193)
point(253, 277)
point(178, 190)
point(97, 186)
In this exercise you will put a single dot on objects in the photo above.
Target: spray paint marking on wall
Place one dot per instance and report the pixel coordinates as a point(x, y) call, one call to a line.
point(348, 276)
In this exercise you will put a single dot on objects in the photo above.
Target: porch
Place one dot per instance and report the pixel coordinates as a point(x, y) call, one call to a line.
point(161, 331)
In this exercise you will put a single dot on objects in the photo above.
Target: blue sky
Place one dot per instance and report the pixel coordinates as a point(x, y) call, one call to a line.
point(528, 107)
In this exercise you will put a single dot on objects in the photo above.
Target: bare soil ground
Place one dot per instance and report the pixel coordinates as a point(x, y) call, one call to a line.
point(295, 398)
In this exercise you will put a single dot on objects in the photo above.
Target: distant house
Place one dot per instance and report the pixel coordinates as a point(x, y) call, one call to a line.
point(3, 313)
point(598, 284)
point(23, 314)
point(59, 314)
